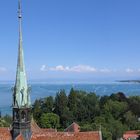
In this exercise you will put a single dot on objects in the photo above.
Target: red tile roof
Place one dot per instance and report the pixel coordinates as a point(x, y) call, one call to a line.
point(20, 137)
point(66, 136)
point(52, 134)
point(131, 134)
point(5, 135)
point(74, 127)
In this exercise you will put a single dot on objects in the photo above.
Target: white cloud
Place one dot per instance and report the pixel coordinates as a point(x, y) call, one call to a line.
point(82, 68)
point(58, 68)
point(78, 68)
point(105, 70)
point(85, 69)
point(43, 68)
point(129, 70)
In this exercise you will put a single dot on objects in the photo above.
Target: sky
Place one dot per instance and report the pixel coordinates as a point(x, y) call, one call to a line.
point(72, 39)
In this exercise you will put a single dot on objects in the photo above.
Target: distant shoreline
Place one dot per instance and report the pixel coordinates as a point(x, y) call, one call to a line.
point(129, 81)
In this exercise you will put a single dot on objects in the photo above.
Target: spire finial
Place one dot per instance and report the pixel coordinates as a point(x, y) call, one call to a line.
point(19, 9)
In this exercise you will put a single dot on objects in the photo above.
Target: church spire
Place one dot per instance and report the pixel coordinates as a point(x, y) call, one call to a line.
point(22, 97)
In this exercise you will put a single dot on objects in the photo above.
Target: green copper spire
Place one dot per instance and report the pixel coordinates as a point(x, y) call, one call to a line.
point(21, 94)
point(21, 98)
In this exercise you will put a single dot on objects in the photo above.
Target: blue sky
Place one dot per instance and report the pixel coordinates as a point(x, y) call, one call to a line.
point(72, 39)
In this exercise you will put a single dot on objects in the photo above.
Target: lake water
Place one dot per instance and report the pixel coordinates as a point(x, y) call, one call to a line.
point(40, 90)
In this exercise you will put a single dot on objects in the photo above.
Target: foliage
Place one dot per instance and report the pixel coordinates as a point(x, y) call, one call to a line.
point(49, 120)
point(5, 121)
point(114, 114)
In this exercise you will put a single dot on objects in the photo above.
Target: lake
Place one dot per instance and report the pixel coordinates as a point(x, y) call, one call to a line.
point(40, 90)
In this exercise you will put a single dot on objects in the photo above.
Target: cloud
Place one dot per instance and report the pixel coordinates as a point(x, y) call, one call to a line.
point(58, 68)
point(87, 69)
point(105, 70)
point(77, 68)
point(3, 69)
point(83, 68)
point(129, 70)
point(43, 68)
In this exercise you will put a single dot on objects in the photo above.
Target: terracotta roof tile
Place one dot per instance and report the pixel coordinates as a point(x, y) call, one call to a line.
point(5, 134)
point(67, 136)
point(131, 134)
point(74, 127)
point(52, 134)
point(20, 137)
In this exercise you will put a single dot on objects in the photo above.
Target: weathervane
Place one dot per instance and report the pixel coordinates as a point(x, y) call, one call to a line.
point(19, 9)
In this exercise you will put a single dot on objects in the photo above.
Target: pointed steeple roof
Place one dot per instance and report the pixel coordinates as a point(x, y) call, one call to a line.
point(21, 95)
point(20, 53)
point(20, 63)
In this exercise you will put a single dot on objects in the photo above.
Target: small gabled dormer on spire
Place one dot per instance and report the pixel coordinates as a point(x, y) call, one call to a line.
point(21, 94)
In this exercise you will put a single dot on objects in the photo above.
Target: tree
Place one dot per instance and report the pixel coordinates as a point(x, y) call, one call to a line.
point(116, 128)
point(48, 105)
point(118, 97)
point(8, 119)
point(72, 101)
point(61, 109)
point(129, 119)
point(107, 135)
point(134, 105)
point(86, 127)
point(103, 101)
point(66, 118)
point(61, 102)
point(91, 102)
point(116, 108)
point(81, 108)
point(49, 120)
point(37, 110)
point(2, 123)
point(5, 121)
